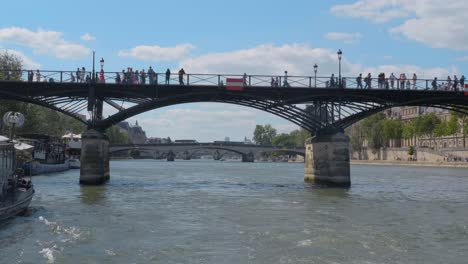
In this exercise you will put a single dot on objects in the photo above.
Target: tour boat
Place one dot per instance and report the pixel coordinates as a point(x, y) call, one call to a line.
point(16, 191)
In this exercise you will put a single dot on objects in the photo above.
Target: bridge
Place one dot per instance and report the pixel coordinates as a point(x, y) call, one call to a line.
point(333, 106)
point(186, 150)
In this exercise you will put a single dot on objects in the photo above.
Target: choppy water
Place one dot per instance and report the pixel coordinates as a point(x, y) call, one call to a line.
point(215, 212)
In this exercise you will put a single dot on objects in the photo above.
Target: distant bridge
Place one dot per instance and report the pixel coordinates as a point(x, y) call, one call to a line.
point(247, 151)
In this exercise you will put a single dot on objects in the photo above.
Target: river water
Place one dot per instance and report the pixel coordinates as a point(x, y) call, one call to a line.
point(232, 212)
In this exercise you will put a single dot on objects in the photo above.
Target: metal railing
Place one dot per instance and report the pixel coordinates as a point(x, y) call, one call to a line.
point(140, 78)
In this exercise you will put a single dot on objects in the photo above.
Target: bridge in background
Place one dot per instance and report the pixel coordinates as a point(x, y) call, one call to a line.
point(187, 150)
point(331, 107)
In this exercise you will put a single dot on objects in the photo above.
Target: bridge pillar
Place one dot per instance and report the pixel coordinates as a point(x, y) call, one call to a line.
point(327, 159)
point(249, 157)
point(170, 156)
point(94, 158)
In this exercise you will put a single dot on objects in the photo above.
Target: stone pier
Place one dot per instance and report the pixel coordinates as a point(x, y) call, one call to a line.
point(94, 158)
point(249, 157)
point(327, 159)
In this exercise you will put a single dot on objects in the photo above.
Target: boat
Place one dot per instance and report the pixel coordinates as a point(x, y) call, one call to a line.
point(73, 149)
point(48, 155)
point(74, 163)
point(16, 190)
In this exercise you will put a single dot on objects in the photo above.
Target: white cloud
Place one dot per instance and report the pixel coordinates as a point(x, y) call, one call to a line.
point(298, 59)
point(157, 53)
point(211, 121)
point(436, 23)
point(27, 62)
point(347, 38)
point(44, 42)
point(88, 37)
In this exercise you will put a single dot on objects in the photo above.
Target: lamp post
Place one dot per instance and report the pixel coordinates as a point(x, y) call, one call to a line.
point(315, 75)
point(340, 54)
point(94, 73)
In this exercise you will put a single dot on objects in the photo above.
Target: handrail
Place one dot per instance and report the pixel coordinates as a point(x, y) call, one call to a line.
point(205, 79)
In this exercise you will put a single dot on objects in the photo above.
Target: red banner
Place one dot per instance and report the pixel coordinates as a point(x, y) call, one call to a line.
point(234, 84)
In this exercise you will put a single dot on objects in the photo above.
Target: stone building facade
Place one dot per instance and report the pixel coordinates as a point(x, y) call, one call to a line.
point(136, 133)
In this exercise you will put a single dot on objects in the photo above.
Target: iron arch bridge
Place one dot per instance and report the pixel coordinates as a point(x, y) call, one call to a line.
point(330, 108)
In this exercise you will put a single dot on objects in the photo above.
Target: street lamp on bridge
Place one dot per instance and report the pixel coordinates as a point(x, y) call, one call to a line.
point(315, 75)
point(340, 54)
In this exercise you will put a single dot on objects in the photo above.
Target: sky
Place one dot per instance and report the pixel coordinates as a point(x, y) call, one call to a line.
point(426, 37)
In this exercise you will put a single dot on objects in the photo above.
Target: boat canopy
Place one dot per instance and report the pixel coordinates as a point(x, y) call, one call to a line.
point(71, 135)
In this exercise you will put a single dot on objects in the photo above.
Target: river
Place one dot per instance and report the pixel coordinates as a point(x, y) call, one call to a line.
point(232, 212)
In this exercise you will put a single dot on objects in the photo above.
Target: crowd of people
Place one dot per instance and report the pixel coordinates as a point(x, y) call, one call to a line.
point(404, 83)
point(130, 76)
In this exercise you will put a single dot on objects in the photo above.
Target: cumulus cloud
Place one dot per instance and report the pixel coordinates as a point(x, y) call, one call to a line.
point(157, 53)
point(44, 42)
point(347, 38)
point(27, 62)
point(436, 23)
point(206, 122)
point(88, 37)
point(297, 59)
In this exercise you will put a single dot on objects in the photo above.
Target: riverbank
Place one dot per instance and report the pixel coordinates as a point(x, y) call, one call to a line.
point(411, 163)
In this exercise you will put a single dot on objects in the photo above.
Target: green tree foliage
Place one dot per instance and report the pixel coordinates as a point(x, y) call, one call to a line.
point(264, 135)
point(392, 129)
point(284, 141)
point(10, 66)
point(373, 130)
point(116, 136)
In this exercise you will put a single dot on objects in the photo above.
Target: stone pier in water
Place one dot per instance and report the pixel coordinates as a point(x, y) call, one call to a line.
point(94, 158)
point(327, 160)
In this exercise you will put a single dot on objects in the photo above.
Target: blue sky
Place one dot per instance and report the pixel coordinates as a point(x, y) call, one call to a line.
point(267, 37)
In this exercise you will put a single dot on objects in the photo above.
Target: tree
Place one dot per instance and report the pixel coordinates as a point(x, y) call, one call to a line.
point(392, 129)
point(116, 136)
point(284, 141)
point(263, 135)
point(373, 130)
point(356, 138)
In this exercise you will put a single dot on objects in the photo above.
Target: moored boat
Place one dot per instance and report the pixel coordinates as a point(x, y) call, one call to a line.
point(16, 190)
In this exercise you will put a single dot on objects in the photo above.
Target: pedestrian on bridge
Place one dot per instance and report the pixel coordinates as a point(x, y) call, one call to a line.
point(101, 76)
point(285, 81)
point(332, 81)
point(30, 76)
point(359, 81)
point(449, 83)
point(72, 77)
point(415, 78)
point(368, 81)
point(462, 82)
point(402, 81)
point(392, 80)
point(181, 76)
point(117, 78)
point(455, 83)
point(83, 74)
point(78, 75)
point(168, 76)
point(151, 75)
point(434, 84)
point(38, 76)
point(142, 77)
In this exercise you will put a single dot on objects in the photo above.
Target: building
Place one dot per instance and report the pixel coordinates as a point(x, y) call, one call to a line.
point(408, 113)
point(136, 133)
